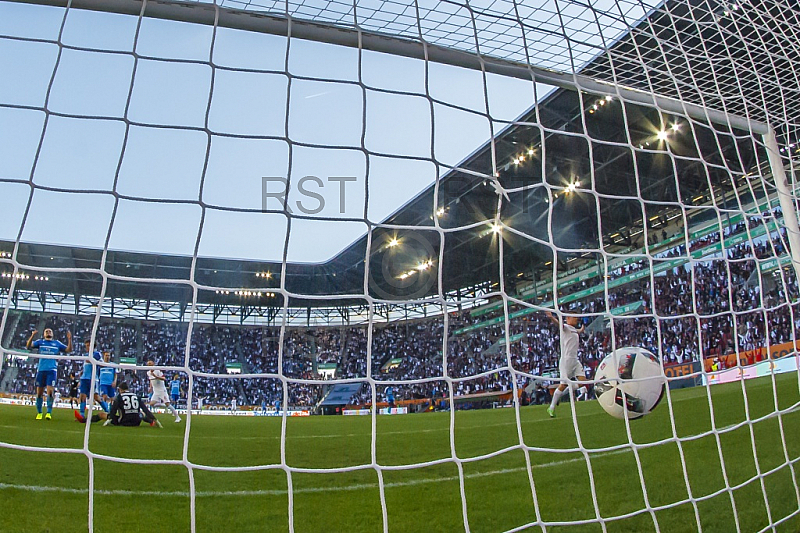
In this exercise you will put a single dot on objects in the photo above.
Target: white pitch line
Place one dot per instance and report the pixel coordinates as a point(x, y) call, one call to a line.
point(293, 437)
point(277, 492)
point(444, 428)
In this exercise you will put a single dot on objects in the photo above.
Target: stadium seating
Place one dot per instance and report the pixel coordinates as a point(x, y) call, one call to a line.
point(414, 348)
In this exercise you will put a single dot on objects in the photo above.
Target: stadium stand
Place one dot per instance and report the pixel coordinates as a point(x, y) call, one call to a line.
point(411, 351)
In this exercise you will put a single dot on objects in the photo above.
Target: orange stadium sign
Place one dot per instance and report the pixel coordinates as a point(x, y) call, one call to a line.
point(750, 357)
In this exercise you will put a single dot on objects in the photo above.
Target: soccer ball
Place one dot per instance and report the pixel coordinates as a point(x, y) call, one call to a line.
point(640, 395)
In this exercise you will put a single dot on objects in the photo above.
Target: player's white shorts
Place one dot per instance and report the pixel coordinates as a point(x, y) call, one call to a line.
point(570, 369)
point(160, 398)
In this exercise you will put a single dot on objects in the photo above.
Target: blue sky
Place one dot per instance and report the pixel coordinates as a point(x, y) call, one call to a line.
point(246, 118)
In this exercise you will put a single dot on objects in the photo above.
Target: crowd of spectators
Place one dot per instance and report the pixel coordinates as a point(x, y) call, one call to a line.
point(707, 307)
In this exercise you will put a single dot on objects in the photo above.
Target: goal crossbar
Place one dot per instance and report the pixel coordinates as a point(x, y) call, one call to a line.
point(274, 24)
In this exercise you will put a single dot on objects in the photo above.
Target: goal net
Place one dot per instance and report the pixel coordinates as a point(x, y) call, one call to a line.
point(392, 209)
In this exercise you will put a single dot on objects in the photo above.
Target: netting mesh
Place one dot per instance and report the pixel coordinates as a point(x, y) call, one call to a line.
point(495, 27)
point(638, 172)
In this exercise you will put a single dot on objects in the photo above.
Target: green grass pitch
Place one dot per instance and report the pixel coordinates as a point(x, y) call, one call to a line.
point(48, 492)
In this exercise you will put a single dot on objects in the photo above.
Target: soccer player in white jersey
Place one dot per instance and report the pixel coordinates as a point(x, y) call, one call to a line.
point(158, 386)
point(569, 368)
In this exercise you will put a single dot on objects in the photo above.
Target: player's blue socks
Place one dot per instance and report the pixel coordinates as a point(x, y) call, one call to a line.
point(104, 405)
point(50, 400)
point(83, 407)
point(39, 404)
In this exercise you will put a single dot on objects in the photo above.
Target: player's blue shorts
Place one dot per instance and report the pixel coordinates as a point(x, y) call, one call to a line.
point(175, 398)
point(85, 386)
point(108, 390)
point(46, 378)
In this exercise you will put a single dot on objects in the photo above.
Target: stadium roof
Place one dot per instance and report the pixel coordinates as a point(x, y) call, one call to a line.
point(557, 154)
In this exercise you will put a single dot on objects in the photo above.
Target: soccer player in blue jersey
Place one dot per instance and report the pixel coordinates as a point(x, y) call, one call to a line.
point(108, 382)
point(85, 385)
point(175, 389)
point(47, 373)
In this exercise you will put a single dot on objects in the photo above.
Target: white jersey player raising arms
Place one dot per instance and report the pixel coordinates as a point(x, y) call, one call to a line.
point(569, 368)
point(158, 386)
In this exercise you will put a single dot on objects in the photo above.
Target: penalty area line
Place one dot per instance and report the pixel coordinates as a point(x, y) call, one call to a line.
point(281, 492)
